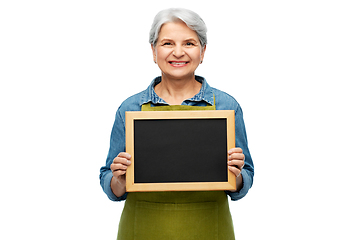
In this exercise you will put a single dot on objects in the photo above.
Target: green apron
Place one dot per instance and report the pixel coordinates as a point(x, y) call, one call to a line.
point(176, 215)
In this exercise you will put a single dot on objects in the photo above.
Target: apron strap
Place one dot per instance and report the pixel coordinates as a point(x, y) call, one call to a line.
point(148, 107)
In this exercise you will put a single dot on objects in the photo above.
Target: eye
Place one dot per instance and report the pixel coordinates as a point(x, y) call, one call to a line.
point(166, 44)
point(189, 44)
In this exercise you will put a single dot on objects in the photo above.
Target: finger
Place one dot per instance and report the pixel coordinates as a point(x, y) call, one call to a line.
point(235, 150)
point(124, 155)
point(118, 173)
point(239, 164)
point(238, 156)
point(115, 167)
point(235, 171)
point(121, 160)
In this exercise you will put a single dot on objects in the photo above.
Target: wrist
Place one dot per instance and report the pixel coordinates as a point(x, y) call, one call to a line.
point(239, 183)
point(118, 187)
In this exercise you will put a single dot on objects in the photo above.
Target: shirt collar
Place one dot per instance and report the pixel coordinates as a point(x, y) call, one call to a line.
point(205, 93)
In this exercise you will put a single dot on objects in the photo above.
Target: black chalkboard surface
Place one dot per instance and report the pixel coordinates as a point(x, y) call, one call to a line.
point(179, 150)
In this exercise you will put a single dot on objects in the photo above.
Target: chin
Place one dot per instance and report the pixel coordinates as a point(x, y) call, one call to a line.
point(178, 76)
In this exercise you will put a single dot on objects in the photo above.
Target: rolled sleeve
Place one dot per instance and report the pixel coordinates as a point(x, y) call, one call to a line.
point(248, 170)
point(247, 182)
point(107, 188)
point(117, 145)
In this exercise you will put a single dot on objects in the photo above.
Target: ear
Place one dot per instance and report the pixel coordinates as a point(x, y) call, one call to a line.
point(203, 53)
point(154, 52)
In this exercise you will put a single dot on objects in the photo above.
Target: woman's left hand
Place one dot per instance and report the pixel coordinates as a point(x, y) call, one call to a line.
point(236, 161)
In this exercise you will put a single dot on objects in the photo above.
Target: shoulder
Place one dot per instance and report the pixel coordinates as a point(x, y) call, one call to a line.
point(225, 101)
point(132, 103)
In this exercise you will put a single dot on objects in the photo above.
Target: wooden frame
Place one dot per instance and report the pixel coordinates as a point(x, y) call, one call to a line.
point(132, 119)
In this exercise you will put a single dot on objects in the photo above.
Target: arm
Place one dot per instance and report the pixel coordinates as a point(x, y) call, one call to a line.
point(240, 160)
point(114, 188)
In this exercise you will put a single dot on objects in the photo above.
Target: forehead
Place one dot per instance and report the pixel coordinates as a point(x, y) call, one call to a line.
point(177, 31)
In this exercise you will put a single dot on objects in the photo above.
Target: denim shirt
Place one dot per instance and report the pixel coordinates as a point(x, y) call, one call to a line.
point(205, 96)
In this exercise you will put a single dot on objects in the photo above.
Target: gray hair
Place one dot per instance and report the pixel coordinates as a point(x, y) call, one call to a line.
point(190, 18)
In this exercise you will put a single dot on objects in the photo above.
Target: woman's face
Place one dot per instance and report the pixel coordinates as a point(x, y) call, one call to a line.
point(178, 51)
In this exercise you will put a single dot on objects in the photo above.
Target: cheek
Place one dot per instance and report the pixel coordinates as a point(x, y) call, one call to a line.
point(163, 54)
point(195, 55)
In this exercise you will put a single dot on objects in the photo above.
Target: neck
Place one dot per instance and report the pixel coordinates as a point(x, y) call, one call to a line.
point(175, 91)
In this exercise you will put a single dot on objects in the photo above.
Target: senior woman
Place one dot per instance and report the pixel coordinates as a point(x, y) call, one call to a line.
point(178, 41)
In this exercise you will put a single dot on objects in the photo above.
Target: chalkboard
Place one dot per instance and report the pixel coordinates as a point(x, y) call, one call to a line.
point(179, 150)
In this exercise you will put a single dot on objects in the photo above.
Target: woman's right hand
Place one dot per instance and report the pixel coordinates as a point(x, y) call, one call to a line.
point(118, 168)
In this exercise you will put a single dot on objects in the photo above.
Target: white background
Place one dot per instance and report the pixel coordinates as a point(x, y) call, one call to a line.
point(66, 66)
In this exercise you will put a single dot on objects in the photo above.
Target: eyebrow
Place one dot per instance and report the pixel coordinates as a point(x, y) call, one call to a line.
point(166, 39)
point(191, 40)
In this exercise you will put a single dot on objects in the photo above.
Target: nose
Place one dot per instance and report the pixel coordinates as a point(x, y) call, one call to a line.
point(178, 52)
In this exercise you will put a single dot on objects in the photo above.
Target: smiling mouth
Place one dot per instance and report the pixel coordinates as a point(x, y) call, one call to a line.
point(178, 63)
